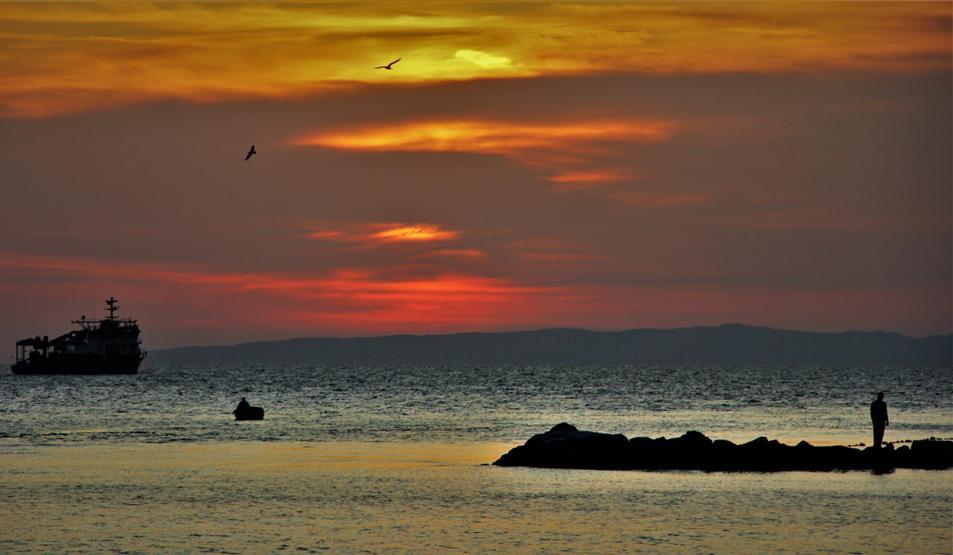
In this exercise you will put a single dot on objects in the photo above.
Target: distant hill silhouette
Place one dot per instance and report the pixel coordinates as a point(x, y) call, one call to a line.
point(729, 343)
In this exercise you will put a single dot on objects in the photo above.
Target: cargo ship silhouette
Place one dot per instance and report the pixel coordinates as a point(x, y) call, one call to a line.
point(109, 346)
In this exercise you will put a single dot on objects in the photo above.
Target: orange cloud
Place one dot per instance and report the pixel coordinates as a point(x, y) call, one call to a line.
point(544, 146)
point(329, 235)
point(413, 233)
point(385, 233)
point(483, 136)
point(589, 179)
point(67, 57)
point(463, 253)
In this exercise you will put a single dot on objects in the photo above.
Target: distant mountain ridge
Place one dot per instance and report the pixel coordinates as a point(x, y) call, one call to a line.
point(728, 343)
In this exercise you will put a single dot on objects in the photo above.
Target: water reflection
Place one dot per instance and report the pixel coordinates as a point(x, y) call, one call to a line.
point(422, 497)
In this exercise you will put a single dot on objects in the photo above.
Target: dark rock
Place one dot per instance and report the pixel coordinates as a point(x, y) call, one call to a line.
point(902, 457)
point(664, 453)
point(931, 453)
point(639, 442)
point(760, 443)
point(564, 446)
point(693, 439)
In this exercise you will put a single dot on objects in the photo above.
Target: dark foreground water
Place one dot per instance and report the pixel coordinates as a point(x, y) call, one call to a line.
point(389, 459)
point(472, 403)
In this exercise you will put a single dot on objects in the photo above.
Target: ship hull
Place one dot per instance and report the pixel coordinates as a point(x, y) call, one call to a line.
point(79, 364)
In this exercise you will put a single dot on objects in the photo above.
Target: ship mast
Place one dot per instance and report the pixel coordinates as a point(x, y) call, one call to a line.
point(111, 304)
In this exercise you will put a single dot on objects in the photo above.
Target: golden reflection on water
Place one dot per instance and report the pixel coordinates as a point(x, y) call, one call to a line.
point(250, 456)
point(433, 497)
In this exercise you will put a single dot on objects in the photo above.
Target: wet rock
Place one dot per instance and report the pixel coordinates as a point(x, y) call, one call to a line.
point(931, 453)
point(564, 446)
point(567, 447)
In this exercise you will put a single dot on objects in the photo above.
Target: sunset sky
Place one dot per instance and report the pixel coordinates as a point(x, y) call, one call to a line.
point(525, 165)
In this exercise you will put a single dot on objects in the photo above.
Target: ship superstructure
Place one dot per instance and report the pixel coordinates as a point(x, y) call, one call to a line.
point(109, 346)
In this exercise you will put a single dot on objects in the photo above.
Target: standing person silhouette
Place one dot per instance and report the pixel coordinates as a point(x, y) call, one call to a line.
point(878, 415)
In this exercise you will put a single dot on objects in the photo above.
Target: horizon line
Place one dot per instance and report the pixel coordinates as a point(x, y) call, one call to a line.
point(537, 330)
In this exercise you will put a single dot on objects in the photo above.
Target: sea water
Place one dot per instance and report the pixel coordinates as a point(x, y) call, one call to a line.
point(393, 458)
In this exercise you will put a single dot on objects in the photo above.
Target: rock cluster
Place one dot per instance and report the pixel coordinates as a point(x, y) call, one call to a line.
point(566, 447)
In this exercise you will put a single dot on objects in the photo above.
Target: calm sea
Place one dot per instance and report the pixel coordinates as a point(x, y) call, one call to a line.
point(391, 458)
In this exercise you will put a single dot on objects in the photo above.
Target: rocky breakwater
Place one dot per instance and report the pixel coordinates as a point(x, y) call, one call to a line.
point(566, 447)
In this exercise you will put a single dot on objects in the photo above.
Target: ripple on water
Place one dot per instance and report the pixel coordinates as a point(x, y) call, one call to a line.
point(472, 403)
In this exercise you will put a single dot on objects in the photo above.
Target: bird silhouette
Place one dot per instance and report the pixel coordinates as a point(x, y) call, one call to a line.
point(251, 153)
point(388, 65)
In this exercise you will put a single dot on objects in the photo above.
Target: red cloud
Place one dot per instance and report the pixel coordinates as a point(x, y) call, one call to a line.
point(182, 301)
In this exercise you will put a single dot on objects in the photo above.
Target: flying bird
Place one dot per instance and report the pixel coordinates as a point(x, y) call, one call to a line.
point(251, 153)
point(388, 65)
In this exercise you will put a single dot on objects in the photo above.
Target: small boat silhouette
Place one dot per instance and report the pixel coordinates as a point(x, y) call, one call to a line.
point(250, 413)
